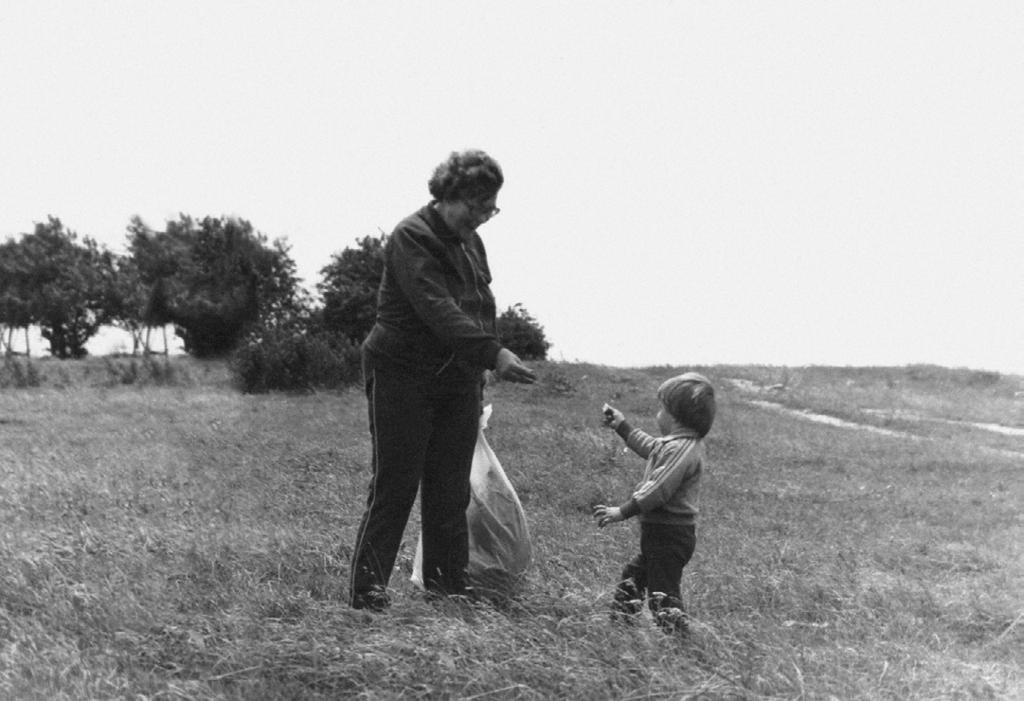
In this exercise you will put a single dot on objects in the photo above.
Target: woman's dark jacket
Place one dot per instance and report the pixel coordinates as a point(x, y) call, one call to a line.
point(435, 309)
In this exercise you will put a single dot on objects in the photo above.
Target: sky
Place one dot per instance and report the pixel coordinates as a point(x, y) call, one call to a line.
point(717, 182)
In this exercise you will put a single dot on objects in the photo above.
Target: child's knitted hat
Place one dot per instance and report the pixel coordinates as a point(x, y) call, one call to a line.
point(690, 399)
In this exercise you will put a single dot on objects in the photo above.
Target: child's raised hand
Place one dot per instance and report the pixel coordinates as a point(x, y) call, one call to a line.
point(607, 514)
point(612, 416)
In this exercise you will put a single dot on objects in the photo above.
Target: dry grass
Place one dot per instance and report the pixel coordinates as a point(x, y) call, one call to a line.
point(185, 541)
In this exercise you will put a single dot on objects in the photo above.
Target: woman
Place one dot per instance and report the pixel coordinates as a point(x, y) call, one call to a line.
point(423, 365)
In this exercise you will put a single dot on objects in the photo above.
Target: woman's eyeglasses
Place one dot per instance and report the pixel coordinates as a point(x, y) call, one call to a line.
point(478, 208)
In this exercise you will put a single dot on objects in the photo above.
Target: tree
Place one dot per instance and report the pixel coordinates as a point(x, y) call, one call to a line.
point(159, 260)
point(215, 280)
point(282, 300)
point(152, 257)
point(521, 334)
point(15, 298)
point(126, 301)
point(349, 288)
point(68, 283)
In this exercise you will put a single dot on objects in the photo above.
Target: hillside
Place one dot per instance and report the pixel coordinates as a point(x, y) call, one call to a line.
point(166, 536)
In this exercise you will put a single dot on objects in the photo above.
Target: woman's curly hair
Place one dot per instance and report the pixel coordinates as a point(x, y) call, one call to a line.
point(466, 175)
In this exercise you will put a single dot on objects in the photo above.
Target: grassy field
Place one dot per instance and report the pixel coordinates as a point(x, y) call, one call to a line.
point(165, 537)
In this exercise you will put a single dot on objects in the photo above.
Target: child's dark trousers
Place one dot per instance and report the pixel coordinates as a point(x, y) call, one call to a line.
point(657, 570)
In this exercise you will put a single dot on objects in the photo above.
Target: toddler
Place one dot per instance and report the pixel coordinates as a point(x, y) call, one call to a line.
point(665, 499)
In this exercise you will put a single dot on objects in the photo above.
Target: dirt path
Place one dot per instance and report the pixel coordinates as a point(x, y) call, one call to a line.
point(841, 423)
point(829, 420)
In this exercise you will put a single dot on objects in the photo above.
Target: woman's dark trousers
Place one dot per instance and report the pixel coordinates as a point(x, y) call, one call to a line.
point(424, 429)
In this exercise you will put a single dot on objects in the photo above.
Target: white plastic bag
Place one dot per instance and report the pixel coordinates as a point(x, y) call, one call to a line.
point(499, 538)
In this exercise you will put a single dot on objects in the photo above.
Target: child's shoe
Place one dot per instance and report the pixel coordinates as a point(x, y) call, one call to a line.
point(672, 621)
point(627, 602)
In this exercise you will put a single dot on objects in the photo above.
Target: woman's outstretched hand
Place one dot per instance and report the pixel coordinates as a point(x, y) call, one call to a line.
point(511, 368)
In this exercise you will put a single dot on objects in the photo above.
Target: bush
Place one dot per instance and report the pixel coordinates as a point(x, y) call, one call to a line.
point(291, 359)
point(521, 334)
point(149, 371)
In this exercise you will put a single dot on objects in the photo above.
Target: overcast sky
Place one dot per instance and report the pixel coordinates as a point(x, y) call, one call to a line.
point(783, 183)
